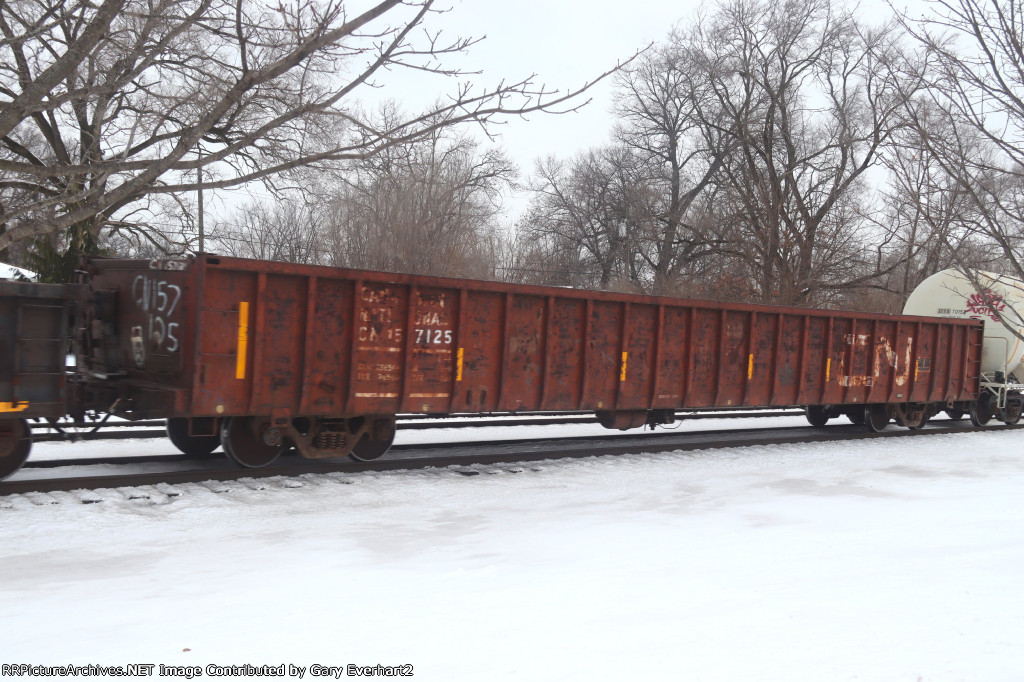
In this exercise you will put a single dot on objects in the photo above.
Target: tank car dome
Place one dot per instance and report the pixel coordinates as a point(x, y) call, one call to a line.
point(950, 294)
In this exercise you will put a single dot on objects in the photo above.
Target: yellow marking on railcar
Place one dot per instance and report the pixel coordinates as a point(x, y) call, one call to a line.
point(750, 367)
point(458, 365)
point(625, 359)
point(16, 406)
point(243, 339)
point(828, 369)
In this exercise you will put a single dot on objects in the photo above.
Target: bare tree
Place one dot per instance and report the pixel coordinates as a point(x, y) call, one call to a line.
point(286, 231)
point(975, 72)
point(929, 216)
point(631, 215)
point(586, 215)
point(102, 104)
point(521, 258)
point(428, 207)
point(670, 125)
point(742, 149)
point(810, 97)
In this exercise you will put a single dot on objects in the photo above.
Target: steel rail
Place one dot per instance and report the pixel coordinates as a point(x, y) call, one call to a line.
point(402, 447)
point(126, 430)
point(551, 449)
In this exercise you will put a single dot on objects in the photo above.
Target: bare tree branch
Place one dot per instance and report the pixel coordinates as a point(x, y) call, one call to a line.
point(103, 105)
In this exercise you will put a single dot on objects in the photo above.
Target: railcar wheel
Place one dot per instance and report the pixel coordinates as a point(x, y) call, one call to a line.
point(367, 450)
point(817, 415)
point(955, 415)
point(193, 446)
point(375, 442)
point(250, 442)
point(856, 416)
point(876, 417)
point(1011, 413)
point(983, 409)
point(15, 444)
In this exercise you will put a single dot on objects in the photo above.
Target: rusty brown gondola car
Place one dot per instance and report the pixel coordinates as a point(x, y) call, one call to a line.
point(254, 355)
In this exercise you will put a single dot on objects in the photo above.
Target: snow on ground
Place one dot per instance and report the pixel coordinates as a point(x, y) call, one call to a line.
point(868, 560)
point(11, 272)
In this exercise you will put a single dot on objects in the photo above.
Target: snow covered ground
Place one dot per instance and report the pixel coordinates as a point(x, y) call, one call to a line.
point(873, 560)
point(11, 272)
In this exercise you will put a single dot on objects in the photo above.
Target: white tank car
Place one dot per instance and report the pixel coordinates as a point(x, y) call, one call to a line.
point(950, 294)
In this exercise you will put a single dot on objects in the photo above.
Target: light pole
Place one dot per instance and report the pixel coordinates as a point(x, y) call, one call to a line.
point(199, 181)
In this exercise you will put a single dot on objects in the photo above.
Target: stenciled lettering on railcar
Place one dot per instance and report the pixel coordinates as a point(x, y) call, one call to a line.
point(431, 323)
point(170, 265)
point(381, 329)
point(376, 317)
point(157, 299)
point(434, 335)
point(377, 371)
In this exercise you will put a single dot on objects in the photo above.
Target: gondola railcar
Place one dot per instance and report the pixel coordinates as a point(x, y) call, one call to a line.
point(256, 356)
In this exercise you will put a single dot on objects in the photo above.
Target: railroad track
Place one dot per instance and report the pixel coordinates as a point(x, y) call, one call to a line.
point(461, 456)
point(155, 428)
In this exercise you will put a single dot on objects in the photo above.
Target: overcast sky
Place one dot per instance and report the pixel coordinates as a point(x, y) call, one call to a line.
point(564, 42)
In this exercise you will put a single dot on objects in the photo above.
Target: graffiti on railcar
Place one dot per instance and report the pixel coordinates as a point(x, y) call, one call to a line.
point(987, 303)
point(157, 299)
